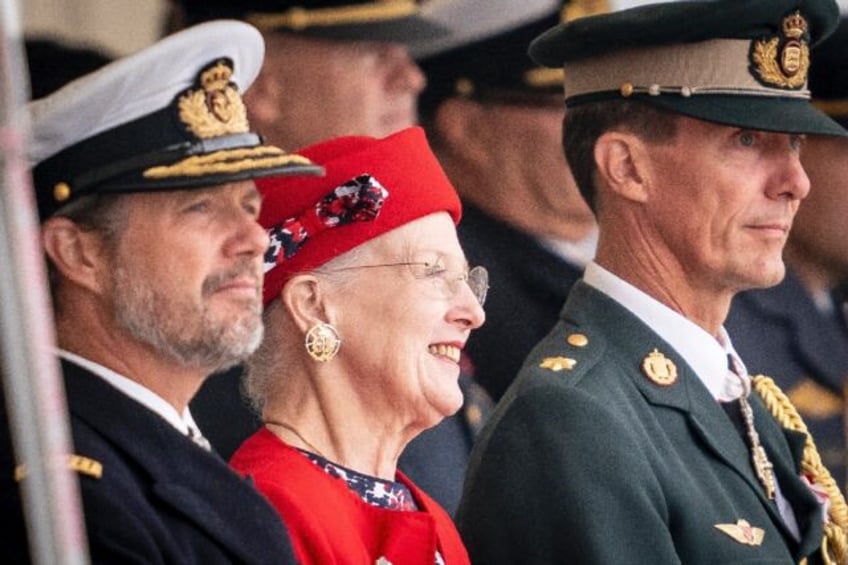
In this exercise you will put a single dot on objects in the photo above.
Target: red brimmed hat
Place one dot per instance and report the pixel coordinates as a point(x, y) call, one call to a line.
point(371, 186)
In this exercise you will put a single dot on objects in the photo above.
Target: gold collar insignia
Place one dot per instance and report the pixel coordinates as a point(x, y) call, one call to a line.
point(659, 369)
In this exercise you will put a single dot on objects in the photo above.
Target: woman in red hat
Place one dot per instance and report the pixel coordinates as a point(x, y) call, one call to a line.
point(368, 304)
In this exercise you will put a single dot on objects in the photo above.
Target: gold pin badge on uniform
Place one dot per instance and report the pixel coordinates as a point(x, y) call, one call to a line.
point(659, 369)
point(558, 363)
point(743, 532)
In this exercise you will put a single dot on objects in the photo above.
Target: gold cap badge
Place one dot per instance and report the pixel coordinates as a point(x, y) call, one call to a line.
point(783, 61)
point(743, 532)
point(557, 364)
point(215, 108)
point(659, 369)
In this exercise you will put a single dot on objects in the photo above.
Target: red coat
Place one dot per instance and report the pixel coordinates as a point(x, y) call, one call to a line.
point(329, 524)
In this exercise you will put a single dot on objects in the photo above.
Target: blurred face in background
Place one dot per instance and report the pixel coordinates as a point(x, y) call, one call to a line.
point(526, 143)
point(820, 234)
point(506, 157)
point(311, 89)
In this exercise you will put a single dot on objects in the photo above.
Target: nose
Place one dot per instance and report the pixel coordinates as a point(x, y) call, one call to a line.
point(467, 310)
point(404, 74)
point(248, 238)
point(792, 182)
point(802, 180)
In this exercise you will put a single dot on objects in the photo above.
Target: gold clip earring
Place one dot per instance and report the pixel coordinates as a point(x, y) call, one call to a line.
point(322, 342)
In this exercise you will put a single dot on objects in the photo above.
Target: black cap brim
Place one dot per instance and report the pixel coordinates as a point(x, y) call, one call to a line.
point(402, 30)
point(758, 113)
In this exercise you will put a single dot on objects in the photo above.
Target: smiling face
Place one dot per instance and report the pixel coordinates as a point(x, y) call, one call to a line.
point(403, 327)
point(720, 204)
point(312, 89)
point(186, 277)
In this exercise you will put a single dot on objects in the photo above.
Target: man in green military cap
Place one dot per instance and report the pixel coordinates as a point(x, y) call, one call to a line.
point(633, 433)
point(795, 331)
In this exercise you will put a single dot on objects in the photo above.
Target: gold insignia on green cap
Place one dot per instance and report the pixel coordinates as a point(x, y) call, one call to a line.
point(659, 369)
point(557, 364)
point(783, 61)
point(216, 108)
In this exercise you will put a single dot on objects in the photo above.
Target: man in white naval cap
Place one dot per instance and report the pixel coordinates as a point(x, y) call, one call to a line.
point(144, 175)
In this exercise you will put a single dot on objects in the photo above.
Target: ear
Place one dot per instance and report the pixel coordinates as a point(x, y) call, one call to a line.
point(622, 162)
point(458, 121)
point(304, 300)
point(77, 254)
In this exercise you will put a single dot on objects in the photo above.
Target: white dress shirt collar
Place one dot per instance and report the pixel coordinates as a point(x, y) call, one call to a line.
point(703, 352)
point(182, 422)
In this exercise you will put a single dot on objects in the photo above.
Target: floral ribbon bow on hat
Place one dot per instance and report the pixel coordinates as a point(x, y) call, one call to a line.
point(357, 200)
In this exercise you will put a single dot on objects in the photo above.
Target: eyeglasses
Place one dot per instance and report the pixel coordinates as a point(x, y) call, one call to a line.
point(446, 280)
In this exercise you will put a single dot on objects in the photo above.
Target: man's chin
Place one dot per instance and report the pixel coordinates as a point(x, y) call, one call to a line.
point(768, 276)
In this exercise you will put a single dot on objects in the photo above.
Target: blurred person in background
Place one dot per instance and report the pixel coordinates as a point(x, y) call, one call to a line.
point(495, 120)
point(332, 67)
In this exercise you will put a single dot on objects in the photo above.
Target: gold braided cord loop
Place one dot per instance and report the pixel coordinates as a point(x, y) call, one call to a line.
point(835, 542)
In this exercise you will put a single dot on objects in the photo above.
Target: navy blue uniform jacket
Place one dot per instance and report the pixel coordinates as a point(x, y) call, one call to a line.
point(160, 499)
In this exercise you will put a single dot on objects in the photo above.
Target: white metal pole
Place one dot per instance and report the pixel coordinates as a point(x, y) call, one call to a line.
point(35, 395)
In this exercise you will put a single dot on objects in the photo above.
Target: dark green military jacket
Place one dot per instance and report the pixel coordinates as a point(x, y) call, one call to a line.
point(587, 460)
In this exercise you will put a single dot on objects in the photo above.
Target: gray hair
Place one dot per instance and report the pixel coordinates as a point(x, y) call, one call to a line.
point(265, 369)
point(102, 213)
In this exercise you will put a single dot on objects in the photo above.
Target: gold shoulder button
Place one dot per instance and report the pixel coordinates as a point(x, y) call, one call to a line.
point(61, 192)
point(577, 340)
